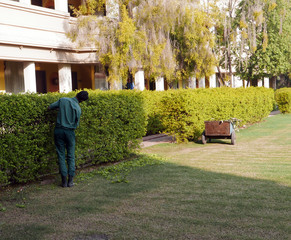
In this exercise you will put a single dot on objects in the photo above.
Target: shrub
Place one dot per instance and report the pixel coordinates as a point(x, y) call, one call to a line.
point(183, 112)
point(153, 111)
point(110, 126)
point(283, 99)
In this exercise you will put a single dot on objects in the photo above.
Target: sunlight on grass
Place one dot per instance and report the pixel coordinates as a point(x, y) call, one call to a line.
point(171, 191)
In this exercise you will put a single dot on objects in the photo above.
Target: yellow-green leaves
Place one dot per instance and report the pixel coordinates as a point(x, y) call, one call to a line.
point(110, 126)
point(172, 39)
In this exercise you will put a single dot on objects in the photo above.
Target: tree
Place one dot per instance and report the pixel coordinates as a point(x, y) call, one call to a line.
point(264, 28)
point(169, 38)
point(226, 40)
point(253, 38)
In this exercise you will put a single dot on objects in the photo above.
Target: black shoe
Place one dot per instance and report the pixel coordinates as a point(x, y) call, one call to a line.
point(70, 182)
point(64, 181)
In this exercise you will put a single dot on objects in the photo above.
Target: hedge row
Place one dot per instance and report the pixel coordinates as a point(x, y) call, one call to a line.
point(182, 113)
point(111, 122)
point(283, 99)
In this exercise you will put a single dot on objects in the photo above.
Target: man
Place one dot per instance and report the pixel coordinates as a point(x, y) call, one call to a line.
point(68, 118)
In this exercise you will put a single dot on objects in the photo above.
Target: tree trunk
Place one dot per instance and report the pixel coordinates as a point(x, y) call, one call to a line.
point(220, 77)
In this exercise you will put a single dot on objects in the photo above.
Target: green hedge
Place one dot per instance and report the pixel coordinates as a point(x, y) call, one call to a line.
point(283, 99)
point(110, 126)
point(182, 112)
point(154, 111)
point(113, 121)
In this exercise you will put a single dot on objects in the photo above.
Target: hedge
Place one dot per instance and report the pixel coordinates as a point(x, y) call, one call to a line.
point(283, 99)
point(112, 123)
point(154, 111)
point(182, 112)
point(110, 126)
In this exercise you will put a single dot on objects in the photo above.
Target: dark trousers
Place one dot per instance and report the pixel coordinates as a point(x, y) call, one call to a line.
point(65, 141)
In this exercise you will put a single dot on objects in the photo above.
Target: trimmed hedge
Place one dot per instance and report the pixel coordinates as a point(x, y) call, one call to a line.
point(112, 123)
point(283, 99)
point(110, 126)
point(154, 111)
point(182, 112)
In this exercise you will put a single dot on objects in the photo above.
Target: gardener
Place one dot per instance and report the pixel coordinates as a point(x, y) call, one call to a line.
point(68, 118)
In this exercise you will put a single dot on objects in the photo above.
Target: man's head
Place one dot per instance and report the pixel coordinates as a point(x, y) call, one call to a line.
point(82, 96)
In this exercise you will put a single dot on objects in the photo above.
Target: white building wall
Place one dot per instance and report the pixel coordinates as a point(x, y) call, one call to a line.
point(266, 82)
point(25, 1)
point(65, 78)
point(160, 84)
point(192, 82)
point(212, 81)
point(202, 83)
point(61, 5)
point(139, 80)
point(29, 77)
point(237, 82)
point(38, 34)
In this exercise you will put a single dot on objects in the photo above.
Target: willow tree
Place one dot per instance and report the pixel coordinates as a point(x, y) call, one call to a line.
point(169, 38)
point(264, 27)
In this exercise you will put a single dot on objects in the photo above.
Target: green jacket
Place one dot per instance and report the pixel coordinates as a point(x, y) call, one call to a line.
point(69, 112)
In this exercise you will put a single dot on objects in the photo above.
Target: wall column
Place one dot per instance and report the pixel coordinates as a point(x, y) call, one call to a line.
point(25, 1)
point(192, 82)
point(260, 83)
point(212, 81)
point(202, 82)
point(65, 78)
point(160, 86)
point(61, 5)
point(29, 77)
point(139, 80)
point(266, 82)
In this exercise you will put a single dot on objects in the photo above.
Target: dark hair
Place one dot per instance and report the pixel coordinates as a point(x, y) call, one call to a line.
point(82, 96)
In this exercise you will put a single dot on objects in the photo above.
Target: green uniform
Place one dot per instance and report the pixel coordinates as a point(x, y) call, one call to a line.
point(68, 118)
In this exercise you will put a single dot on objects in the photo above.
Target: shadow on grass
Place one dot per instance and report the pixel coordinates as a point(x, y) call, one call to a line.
point(165, 201)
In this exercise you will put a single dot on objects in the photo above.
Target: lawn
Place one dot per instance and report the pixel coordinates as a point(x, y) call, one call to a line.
point(170, 191)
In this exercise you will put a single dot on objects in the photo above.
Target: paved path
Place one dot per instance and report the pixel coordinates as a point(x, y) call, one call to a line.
point(156, 139)
point(163, 138)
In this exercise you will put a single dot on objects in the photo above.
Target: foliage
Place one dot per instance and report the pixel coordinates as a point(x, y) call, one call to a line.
point(226, 38)
point(183, 112)
point(119, 172)
point(154, 111)
point(265, 52)
point(253, 38)
point(170, 39)
point(110, 126)
point(283, 99)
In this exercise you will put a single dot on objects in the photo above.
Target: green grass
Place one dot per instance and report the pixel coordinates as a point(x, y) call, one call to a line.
point(186, 191)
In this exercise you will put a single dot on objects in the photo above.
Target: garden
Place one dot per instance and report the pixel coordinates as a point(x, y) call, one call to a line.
point(167, 191)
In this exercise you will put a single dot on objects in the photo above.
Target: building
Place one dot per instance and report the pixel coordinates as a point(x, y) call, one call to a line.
point(37, 56)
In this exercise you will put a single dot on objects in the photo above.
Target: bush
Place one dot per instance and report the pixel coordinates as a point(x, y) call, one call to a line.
point(283, 99)
point(183, 112)
point(110, 126)
point(112, 123)
point(153, 111)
